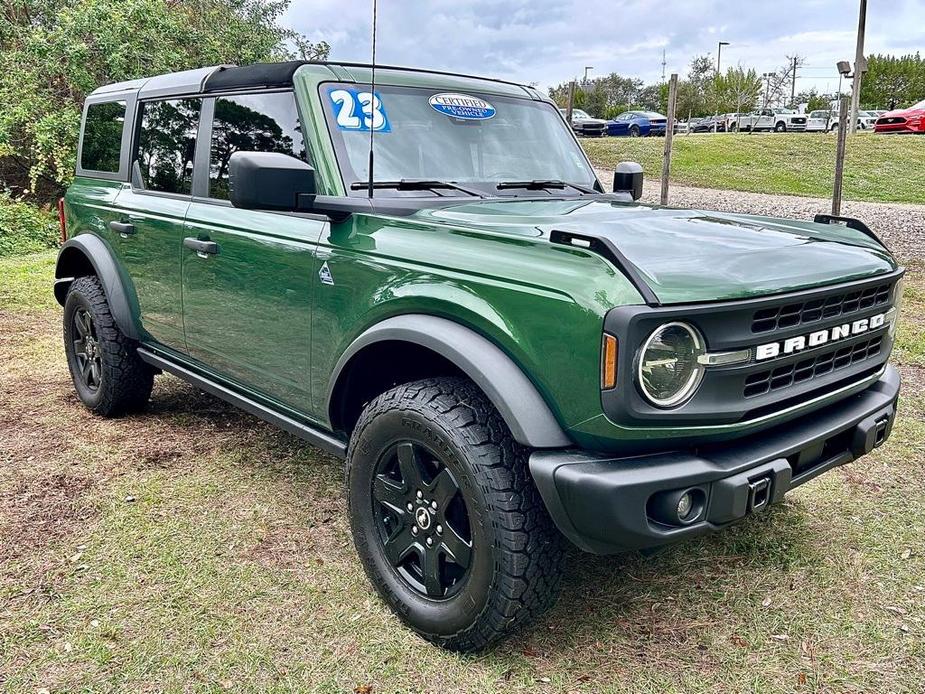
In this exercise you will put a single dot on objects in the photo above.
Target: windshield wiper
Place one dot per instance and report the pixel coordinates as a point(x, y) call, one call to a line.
point(416, 184)
point(543, 184)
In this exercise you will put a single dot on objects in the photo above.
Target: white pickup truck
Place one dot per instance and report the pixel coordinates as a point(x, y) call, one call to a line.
point(777, 119)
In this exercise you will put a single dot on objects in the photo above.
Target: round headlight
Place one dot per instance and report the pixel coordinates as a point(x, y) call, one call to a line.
point(669, 371)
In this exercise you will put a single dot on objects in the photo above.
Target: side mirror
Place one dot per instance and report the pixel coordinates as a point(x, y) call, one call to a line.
point(270, 181)
point(628, 179)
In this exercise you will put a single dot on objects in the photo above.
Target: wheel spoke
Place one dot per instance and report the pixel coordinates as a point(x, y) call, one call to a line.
point(85, 368)
point(95, 372)
point(80, 324)
point(398, 546)
point(443, 488)
point(80, 347)
point(410, 466)
point(389, 493)
point(430, 566)
point(456, 548)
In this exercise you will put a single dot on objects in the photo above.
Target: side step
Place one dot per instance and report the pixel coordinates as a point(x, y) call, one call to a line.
point(317, 437)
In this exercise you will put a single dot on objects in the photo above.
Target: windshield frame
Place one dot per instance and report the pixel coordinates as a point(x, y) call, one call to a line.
point(340, 151)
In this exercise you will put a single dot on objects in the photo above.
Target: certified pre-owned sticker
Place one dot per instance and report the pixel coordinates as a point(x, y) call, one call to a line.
point(462, 106)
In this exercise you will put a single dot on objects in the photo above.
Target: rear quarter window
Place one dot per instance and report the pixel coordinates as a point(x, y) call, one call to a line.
point(102, 138)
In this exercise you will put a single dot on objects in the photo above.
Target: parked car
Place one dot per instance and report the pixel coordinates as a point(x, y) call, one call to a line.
point(584, 125)
point(779, 120)
point(658, 124)
point(503, 354)
point(629, 124)
point(821, 122)
point(710, 124)
point(906, 120)
point(866, 119)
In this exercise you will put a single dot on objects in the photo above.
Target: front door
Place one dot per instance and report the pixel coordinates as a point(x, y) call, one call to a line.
point(247, 275)
point(149, 231)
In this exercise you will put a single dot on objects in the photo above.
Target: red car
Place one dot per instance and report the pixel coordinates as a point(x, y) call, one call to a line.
point(907, 120)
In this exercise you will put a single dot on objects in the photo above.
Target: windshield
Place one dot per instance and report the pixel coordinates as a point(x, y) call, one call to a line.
point(580, 115)
point(919, 106)
point(474, 139)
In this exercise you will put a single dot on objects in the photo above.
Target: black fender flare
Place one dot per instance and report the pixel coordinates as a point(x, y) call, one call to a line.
point(89, 248)
point(504, 383)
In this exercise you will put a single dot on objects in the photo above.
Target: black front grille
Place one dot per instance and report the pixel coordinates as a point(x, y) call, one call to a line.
point(806, 369)
point(791, 315)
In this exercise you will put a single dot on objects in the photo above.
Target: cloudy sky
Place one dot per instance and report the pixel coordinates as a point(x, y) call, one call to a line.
point(550, 41)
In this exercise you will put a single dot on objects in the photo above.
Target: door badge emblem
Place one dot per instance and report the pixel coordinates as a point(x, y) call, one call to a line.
point(325, 274)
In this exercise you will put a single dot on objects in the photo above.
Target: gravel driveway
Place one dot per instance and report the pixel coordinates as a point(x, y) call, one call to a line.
point(902, 227)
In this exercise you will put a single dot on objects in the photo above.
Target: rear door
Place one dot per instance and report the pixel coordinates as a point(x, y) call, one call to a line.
point(148, 234)
point(247, 297)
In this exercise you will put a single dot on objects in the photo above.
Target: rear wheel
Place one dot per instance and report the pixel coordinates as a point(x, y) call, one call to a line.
point(108, 374)
point(450, 528)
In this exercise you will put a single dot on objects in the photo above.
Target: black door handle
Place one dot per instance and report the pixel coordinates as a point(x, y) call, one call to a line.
point(201, 247)
point(123, 228)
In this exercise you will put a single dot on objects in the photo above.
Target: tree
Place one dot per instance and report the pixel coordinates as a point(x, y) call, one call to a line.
point(814, 100)
point(54, 52)
point(738, 90)
point(893, 81)
point(695, 92)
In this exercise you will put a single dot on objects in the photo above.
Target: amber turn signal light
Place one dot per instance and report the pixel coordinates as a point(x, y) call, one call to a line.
point(609, 362)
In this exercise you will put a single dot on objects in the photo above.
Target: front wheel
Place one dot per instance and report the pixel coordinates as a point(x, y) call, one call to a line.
point(448, 524)
point(780, 128)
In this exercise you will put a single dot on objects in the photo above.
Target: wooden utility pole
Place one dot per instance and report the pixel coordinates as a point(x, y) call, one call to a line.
point(571, 102)
point(840, 155)
point(793, 84)
point(860, 66)
point(669, 133)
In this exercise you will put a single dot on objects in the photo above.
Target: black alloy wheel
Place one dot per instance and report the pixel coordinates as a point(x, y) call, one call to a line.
point(87, 350)
point(422, 520)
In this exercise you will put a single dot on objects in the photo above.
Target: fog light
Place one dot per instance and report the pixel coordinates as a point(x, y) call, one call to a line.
point(677, 507)
point(685, 504)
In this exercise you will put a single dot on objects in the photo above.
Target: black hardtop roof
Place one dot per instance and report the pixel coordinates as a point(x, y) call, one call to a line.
point(221, 78)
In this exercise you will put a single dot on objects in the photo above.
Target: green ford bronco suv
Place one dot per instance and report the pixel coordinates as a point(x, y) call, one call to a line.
point(505, 354)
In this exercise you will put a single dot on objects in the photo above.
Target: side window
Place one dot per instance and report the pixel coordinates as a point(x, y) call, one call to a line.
point(102, 143)
point(167, 144)
point(252, 123)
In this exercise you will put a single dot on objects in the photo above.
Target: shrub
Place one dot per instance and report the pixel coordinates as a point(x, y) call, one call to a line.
point(25, 228)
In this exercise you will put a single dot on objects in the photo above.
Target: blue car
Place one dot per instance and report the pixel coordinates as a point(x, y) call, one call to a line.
point(637, 124)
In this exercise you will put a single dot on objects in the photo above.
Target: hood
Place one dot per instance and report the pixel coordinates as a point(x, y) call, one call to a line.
point(904, 112)
point(695, 256)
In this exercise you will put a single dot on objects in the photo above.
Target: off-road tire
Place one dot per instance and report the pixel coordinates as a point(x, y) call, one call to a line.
point(517, 552)
point(125, 381)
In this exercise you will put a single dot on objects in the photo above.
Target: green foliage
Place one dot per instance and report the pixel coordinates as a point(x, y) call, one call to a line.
point(738, 90)
point(607, 97)
point(814, 100)
point(893, 81)
point(54, 52)
point(24, 228)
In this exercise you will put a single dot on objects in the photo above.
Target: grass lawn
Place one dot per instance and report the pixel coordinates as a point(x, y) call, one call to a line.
point(878, 168)
point(194, 548)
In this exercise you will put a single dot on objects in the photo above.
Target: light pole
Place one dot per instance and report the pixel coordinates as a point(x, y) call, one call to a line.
point(719, 56)
point(587, 67)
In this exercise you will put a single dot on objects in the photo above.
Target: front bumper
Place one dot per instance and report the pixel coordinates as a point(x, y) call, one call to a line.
point(606, 504)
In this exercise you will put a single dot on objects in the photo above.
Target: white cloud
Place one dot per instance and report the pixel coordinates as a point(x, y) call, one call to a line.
point(550, 41)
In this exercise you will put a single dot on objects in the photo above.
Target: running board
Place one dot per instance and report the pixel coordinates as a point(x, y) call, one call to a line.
point(322, 439)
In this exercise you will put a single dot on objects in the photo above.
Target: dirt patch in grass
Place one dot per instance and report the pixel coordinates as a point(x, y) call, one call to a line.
point(38, 511)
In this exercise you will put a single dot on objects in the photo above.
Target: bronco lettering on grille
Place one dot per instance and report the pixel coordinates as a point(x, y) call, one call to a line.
point(819, 337)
